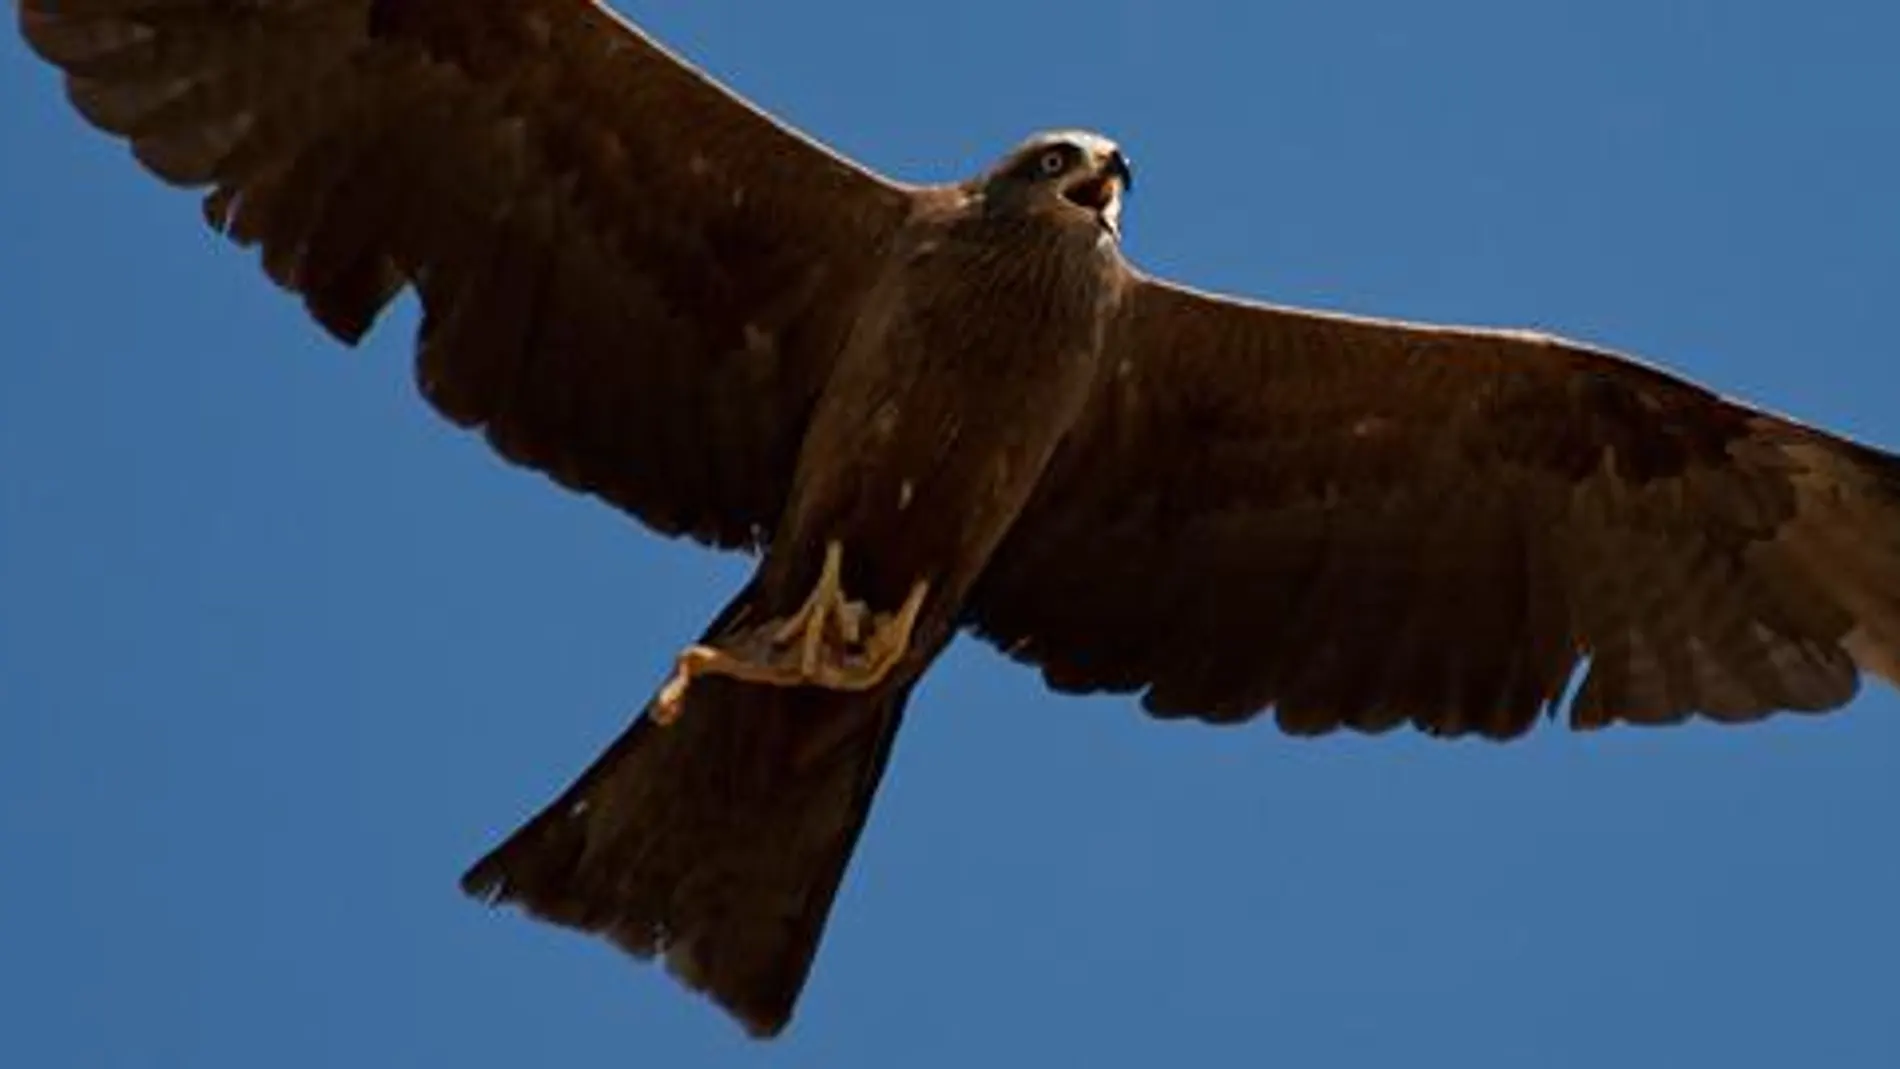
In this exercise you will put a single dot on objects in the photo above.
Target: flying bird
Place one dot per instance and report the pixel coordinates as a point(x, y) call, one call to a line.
point(946, 408)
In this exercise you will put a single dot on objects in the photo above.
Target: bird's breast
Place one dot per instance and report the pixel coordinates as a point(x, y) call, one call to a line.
point(969, 362)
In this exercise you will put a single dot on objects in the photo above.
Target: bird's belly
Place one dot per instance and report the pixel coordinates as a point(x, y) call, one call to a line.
point(926, 484)
point(912, 512)
point(969, 365)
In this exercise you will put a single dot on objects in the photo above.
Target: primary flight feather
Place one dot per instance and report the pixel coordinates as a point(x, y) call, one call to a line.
point(948, 407)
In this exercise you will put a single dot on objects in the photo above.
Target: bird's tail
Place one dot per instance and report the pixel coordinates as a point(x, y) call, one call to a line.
point(717, 841)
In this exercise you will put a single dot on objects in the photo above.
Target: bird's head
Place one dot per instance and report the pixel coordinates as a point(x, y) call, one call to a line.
point(1065, 172)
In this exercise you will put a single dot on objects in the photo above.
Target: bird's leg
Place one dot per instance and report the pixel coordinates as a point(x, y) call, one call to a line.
point(823, 644)
point(807, 625)
point(704, 660)
point(887, 643)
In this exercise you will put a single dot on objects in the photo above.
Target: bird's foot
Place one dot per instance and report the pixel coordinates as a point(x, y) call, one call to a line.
point(827, 613)
point(831, 642)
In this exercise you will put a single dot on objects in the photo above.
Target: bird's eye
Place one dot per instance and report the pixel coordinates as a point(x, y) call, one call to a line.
point(1053, 162)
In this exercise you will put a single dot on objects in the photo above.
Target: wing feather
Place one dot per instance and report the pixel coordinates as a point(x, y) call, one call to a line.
point(630, 278)
point(1363, 523)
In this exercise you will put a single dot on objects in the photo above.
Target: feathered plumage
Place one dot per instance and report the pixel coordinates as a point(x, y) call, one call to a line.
point(939, 407)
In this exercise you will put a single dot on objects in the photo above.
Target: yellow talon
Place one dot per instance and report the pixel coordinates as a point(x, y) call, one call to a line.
point(857, 658)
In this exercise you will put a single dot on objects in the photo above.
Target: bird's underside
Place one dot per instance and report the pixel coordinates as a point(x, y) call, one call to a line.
point(957, 406)
point(832, 641)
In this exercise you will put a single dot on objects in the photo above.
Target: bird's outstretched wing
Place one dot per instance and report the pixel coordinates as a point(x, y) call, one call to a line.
point(630, 278)
point(1361, 523)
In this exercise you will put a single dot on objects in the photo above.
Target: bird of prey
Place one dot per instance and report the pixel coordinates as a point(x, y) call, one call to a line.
point(931, 409)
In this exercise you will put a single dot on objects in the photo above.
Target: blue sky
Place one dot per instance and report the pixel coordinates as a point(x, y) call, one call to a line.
point(281, 652)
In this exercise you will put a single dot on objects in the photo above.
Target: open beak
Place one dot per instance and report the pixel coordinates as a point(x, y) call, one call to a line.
point(1096, 192)
point(1101, 192)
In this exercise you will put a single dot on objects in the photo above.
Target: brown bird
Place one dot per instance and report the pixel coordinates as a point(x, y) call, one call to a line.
point(939, 408)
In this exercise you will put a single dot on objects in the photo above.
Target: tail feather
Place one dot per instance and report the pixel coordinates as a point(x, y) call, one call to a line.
point(717, 842)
